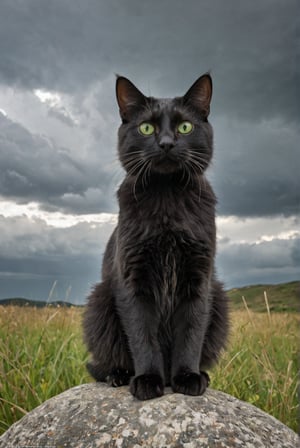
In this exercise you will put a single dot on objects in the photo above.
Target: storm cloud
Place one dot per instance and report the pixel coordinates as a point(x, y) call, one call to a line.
point(34, 168)
point(256, 169)
point(59, 120)
point(34, 256)
point(252, 49)
point(256, 263)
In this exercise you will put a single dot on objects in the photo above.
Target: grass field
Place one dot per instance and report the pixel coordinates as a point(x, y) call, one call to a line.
point(42, 354)
point(282, 297)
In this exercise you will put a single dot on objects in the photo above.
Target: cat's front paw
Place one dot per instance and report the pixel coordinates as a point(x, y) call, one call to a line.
point(119, 377)
point(145, 387)
point(190, 383)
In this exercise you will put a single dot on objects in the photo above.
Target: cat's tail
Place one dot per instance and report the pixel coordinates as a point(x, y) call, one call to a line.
point(104, 335)
point(96, 371)
point(218, 329)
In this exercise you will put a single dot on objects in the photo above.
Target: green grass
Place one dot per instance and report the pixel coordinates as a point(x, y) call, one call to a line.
point(42, 354)
point(260, 365)
point(284, 297)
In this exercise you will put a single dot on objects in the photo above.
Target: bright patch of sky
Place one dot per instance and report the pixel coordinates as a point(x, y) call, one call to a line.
point(56, 219)
point(230, 229)
point(55, 101)
point(233, 230)
point(52, 99)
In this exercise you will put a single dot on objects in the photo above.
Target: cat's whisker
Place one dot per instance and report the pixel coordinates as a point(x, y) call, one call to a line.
point(133, 153)
point(147, 171)
point(112, 164)
point(183, 172)
point(137, 168)
point(137, 177)
point(186, 173)
point(117, 176)
point(133, 157)
point(200, 163)
point(197, 157)
point(196, 153)
point(132, 171)
point(197, 171)
point(145, 174)
point(133, 163)
point(198, 178)
point(132, 160)
point(197, 150)
point(188, 179)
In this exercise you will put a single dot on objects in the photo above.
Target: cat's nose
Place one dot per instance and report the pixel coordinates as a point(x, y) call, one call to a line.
point(166, 142)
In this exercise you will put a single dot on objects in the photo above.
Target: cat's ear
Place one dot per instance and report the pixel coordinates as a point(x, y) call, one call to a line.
point(199, 95)
point(129, 97)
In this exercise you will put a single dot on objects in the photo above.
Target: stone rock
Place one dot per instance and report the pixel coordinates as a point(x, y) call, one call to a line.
point(96, 415)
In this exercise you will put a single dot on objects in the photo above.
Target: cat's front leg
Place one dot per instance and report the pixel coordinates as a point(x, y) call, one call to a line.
point(190, 383)
point(140, 323)
point(147, 386)
point(189, 327)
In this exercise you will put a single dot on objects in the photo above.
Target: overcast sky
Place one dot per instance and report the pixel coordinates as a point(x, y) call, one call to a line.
point(59, 119)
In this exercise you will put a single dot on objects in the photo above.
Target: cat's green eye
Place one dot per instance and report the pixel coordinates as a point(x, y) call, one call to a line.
point(146, 128)
point(185, 127)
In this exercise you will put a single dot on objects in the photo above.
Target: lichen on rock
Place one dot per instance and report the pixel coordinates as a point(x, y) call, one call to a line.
point(96, 415)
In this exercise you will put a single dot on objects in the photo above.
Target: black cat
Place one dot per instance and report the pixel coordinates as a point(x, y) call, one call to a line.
point(159, 315)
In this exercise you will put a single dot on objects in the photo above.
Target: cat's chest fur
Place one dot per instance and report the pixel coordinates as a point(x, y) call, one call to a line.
point(168, 211)
point(163, 236)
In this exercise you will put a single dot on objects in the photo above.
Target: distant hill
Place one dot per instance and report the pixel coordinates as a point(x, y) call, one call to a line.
point(281, 297)
point(20, 301)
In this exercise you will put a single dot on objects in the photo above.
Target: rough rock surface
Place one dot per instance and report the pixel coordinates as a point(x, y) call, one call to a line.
point(95, 415)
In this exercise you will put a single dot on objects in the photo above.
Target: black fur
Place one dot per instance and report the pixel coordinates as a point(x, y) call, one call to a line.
point(159, 315)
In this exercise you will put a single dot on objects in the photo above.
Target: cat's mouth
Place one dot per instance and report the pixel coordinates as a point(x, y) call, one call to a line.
point(167, 163)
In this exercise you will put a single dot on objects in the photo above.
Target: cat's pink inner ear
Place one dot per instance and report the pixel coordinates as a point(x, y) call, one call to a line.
point(199, 95)
point(128, 96)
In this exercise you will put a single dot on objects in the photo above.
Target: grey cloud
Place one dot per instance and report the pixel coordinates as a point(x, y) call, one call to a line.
point(35, 255)
point(268, 262)
point(252, 48)
point(60, 114)
point(34, 168)
point(74, 48)
point(26, 237)
point(71, 277)
point(254, 172)
point(296, 253)
point(256, 168)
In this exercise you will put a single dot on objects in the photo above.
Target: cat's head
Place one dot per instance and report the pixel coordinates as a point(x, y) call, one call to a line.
point(164, 136)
